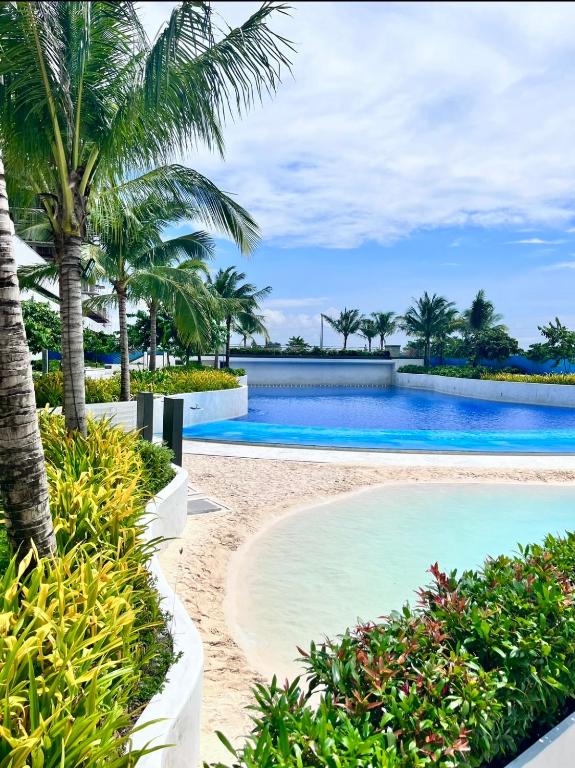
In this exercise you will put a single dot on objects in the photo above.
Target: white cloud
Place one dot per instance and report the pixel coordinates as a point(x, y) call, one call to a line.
point(559, 265)
point(536, 241)
point(294, 303)
point(407, 115)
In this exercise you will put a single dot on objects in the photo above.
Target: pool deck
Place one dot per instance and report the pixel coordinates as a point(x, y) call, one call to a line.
point(381, 458)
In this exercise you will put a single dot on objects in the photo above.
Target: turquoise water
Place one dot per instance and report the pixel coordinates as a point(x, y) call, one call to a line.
point(393, 419)
point(318, 571)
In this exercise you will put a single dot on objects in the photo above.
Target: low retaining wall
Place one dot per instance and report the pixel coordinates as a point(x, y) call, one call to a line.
point(554, 750)
point(199, 407)
point(308, 372)
point(484, 389)
point(205, 407)
point(178, 706)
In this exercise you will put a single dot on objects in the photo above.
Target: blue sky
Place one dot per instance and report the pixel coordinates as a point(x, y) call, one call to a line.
point(416, 146)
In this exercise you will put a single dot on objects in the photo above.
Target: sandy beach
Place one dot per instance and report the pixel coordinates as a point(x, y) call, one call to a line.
point(258, 491)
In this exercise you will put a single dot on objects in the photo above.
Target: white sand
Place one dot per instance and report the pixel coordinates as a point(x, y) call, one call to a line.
point(257, 491)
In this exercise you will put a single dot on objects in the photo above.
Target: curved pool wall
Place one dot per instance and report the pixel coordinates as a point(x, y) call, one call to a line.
point(393, 419)
point(561, 395)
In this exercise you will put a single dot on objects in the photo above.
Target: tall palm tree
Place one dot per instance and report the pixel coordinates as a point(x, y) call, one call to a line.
point(229, 284)
point(140, 266)
point(386, 324)
point(479, 318)
point(348, 323)
point(248, 325)
point(429, 318)
point(86, 101)
point(23, 482)
point(368, 330)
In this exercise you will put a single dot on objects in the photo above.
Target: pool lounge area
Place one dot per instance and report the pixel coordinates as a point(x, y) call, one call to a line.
point(393, 419)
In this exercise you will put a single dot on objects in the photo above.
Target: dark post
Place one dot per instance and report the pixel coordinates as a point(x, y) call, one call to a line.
point(45, 361)
point(173, 426)
point(145, 415)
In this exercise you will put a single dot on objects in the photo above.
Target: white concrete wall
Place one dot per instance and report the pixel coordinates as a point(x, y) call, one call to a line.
point(484, 389)
point(199, 408)
point(204, 407)
point(178, 706)
point(308, 372)
point(554, 750)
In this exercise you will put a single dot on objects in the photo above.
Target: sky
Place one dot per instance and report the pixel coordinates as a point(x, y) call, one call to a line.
point(413, 146)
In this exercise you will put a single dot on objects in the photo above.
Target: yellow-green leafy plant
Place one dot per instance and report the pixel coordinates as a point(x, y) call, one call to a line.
point(534, 378)
point(71, 628)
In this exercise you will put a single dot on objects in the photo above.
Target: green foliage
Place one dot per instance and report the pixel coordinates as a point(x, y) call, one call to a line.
point(166, 381)
point(297, 344)
point(42, 324)
point(99, 342)
point(348, 323)
point(482, 668)
point(559, 344)
point(430, 319)
point(75, 629)
point(157, 470)
point(534, 378)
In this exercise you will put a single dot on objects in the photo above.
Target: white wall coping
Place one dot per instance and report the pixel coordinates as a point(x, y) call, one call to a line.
point(178, 706)
point(527, 392)
point(315, 361)
point(555, 749)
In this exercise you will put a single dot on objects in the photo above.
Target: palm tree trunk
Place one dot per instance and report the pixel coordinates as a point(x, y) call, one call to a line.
point(381, 342)
point(426, 353)
point(70, 273)
point(124, 347)
point(153, 335)
point(345, 341)
point(228, 338)
point(200, 358)
point(23, 482)
point(245, 342)
point(369, 344)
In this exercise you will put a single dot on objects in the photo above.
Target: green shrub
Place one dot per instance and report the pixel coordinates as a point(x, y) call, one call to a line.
point(534, 378)
point(156, 464)
point(166, 381)
point(75, 643)
point(481, 669)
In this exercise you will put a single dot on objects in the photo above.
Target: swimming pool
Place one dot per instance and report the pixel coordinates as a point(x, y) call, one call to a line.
point(393, 419)
point(318, 571)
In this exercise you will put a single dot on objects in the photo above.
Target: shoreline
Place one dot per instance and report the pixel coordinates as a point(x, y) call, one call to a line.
point(202, 565)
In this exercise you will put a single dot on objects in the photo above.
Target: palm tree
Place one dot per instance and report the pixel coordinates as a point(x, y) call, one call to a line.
point(140, 266)
point(348, 323)
point(228, 284)
point(86, 101)
point(386, 325)
point(23, 482)
point(368, 330)
point(248, 325)
point(478, 319)
point(429, 318)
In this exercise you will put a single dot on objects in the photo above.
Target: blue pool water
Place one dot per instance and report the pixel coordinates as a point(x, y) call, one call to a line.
point(360, 557)
point(393, 419)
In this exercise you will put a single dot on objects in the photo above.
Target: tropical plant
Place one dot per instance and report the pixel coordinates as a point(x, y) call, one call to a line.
point(42, 325)
point(429, 318)
point(167, 381)
point(368, 329)
point(468, 679)
point(297, 345)
point(386, 324)
point(559, 344)
point(83, 632)
point(229, 284)
point(250, 325)
point(87, 101)
point(481, 329)
point(348, 323)
point(23, 481)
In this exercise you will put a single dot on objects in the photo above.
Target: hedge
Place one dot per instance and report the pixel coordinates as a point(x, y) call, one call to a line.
point(476, 673)
point(83, 642)
point(505, 374)
point(169, 381)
